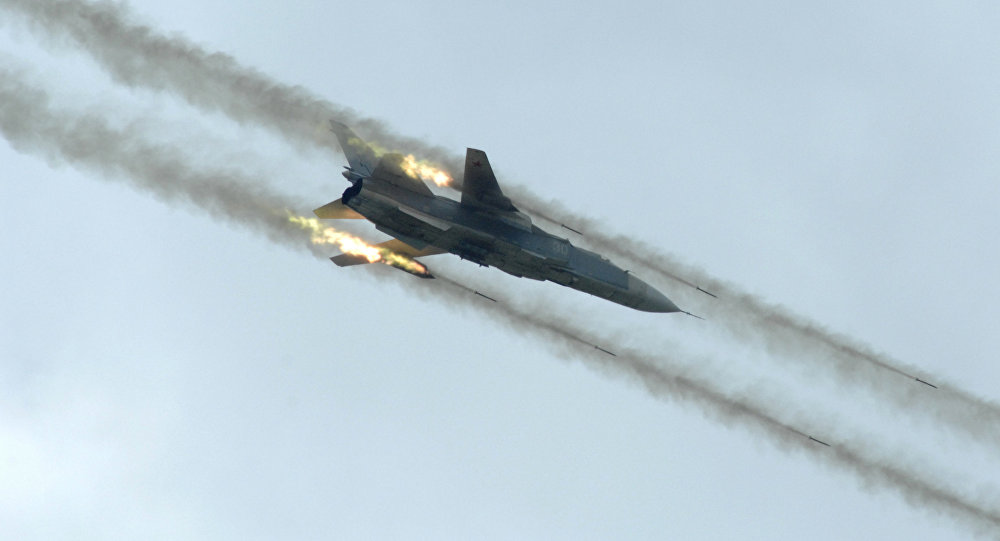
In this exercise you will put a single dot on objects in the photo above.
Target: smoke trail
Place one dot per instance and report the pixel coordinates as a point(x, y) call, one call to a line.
point(139, 56)
point(665, 380)
point(32, 126)
point(754, 320)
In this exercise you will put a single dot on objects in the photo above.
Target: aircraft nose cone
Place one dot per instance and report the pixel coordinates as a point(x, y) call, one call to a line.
point(648, 298)
point(658, 302)
point(654, 301)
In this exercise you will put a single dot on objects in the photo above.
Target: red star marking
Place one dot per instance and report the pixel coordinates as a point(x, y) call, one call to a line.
point(477, 164)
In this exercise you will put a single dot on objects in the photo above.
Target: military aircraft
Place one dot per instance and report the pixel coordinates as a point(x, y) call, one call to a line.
point(485, 227)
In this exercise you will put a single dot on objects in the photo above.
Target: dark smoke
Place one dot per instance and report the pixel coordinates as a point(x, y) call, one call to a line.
point(139, 56)
point(665, 379)
point(795, 338)
point(87, 141)
point(31, 126)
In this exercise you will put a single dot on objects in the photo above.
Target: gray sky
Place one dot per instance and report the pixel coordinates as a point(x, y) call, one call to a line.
point(165, 375)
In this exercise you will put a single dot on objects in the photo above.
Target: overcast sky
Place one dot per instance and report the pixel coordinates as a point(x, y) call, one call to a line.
point(165, 375)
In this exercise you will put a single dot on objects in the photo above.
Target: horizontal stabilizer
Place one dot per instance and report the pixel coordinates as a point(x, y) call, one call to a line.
point(393, 245)
point(337, 210)
point(347, 260)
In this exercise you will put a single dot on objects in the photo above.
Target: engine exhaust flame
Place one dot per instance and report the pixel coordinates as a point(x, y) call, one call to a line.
point(350, 244)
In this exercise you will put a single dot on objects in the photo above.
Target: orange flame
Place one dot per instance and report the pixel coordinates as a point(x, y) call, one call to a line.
point(350, 244)
point(415, 168)
point(424, 170)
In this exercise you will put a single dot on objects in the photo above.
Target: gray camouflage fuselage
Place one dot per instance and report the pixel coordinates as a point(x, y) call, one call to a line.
point(505, 240)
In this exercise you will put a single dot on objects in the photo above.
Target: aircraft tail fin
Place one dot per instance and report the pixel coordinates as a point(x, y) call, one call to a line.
point(479, 186)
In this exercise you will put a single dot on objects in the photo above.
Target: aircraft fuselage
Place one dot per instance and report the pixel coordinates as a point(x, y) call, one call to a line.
point(501, 240)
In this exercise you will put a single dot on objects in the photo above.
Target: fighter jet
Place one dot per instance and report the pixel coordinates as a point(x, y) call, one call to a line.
point(484, 227)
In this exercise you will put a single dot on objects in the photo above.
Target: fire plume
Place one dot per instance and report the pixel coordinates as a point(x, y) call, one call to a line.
point(424, 170)
point(350, 244)
point(411, 165)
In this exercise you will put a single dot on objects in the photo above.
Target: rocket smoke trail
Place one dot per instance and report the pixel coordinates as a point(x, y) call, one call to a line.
point(783, 333)
point(31, 125)
point(137, 55)
point(665, 380)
